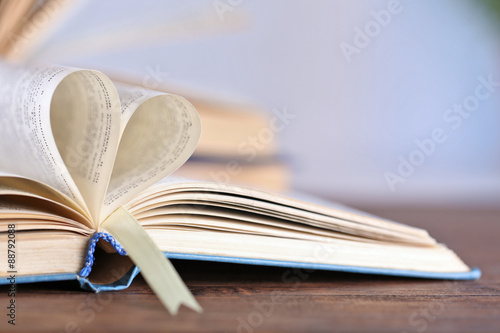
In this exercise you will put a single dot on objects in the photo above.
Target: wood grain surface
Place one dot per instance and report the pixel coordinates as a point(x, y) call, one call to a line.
point(239, 298)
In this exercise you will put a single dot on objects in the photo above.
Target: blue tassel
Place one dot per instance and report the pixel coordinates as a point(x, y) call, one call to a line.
point(89, 259)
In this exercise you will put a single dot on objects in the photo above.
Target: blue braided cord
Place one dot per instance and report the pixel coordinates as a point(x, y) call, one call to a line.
point(89, 259)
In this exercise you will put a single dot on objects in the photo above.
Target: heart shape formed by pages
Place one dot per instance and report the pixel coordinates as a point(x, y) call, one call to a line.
point(72, 130)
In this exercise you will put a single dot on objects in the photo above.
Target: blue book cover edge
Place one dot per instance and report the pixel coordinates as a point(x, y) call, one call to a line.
point(127, 279)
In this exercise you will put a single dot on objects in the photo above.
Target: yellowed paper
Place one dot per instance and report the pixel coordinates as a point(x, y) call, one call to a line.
point(60, 127)
point(159, 132)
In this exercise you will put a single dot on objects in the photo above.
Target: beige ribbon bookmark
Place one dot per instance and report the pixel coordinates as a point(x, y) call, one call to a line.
point(156, 269)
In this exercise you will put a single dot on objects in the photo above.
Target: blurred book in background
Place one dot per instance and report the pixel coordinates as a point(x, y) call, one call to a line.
point(233, 149)
point(272, 176)
point(235, 146)
point(27, 24)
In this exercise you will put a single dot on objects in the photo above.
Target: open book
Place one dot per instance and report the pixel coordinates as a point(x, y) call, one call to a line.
point(82, 158)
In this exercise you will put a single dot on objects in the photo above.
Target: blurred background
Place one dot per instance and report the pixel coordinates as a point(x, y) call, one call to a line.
point(366, 102)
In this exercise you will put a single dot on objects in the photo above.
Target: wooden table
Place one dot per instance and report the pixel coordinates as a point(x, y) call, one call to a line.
point(238, 298)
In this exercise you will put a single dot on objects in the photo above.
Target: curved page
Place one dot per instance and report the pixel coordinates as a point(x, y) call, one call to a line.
point(159, 133)
point(60, 127)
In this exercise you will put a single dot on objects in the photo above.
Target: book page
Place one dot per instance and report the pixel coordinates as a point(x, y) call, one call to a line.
point(40, 256)
point(85, 118)
point(39, 196)
point(183, 192)
point(60, 127)
point(343, 252)
point(159, 133)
